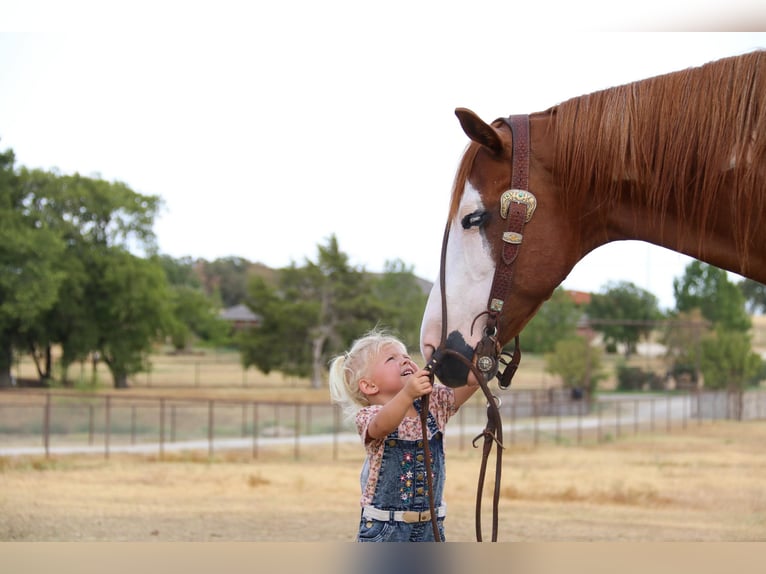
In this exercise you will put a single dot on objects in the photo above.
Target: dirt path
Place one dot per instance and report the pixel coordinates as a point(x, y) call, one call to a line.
point(703, 484)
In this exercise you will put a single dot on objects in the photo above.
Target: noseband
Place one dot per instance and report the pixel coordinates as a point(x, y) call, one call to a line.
point(516, 206)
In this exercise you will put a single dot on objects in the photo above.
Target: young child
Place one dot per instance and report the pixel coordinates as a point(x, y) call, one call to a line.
point(378, 384)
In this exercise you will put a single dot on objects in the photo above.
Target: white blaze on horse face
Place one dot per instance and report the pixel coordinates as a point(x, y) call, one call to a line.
point(469, 271)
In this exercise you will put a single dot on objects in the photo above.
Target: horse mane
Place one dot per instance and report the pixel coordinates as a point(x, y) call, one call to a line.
point(692, 141)
point(461, 177)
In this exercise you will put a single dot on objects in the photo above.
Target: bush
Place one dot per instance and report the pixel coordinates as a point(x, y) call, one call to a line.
point(637, 379)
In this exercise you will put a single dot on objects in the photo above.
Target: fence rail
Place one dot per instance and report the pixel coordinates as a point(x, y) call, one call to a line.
point(50, 422)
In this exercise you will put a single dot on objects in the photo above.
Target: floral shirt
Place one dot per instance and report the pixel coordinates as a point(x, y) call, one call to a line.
point(441, 405)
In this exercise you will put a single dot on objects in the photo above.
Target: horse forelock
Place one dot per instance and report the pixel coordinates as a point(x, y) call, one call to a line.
point(461, 177)
point(685, 141)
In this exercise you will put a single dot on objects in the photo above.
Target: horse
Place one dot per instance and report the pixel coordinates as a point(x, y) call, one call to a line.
point(676, 160)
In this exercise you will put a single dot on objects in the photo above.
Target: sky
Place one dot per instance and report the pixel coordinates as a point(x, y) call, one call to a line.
point(268, 127)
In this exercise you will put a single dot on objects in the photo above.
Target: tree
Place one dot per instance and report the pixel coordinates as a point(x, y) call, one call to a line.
point(728, 362)
point(577, 362)
point(754, 294)
point(402, 300)
point(29, 251)
point(623, 314)
point(556, 320)
point(708, 288)
point(194, 315)
point(134, 314)
point(682, 336)
point(181, 271)
point(99, 222)
point(314, 313)
point(227, 278)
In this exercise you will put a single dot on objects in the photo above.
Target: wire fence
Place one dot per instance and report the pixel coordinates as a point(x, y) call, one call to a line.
point(49, 423)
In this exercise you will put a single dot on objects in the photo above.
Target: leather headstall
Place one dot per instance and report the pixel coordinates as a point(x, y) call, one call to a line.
point(517, 205)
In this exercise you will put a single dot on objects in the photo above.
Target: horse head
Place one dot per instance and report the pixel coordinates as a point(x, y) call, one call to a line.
point(474, 245)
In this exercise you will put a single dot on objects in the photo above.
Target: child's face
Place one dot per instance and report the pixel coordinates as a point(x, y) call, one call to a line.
point(390, 371)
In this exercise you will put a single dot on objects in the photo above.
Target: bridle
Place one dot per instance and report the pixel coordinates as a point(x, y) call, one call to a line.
point(517, 206)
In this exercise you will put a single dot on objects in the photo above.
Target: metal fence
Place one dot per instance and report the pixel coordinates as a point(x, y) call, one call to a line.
point(50, 422)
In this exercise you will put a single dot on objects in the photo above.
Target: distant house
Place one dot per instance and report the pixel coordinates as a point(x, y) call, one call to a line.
point(579, 298)
point(240, 317)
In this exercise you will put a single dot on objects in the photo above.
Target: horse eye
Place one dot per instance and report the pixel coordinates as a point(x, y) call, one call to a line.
point(475, 219)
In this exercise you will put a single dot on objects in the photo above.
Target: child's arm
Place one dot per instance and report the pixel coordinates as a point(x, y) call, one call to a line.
point(462, 394)
point(388, 418)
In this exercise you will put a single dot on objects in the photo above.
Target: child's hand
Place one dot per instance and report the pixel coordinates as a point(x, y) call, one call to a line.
point(419, 384)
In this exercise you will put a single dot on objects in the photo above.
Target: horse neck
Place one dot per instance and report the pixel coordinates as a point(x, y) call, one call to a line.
point(636, 213)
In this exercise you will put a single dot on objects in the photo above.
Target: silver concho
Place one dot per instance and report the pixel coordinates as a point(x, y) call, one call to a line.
point(485, 364)
point(518, 196)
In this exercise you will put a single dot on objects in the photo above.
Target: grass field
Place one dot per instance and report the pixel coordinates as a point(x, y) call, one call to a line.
point(706, 484)
point(219, 374)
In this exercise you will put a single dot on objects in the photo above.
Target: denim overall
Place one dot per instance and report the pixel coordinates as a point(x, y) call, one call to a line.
point(402, 485)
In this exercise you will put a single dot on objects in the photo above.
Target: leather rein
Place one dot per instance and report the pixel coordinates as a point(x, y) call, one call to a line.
point(516, 206)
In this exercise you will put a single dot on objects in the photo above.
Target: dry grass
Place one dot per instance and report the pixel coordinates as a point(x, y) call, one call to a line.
point(704, 484)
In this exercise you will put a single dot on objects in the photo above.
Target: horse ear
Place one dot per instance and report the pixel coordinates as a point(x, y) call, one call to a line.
point(478, 130)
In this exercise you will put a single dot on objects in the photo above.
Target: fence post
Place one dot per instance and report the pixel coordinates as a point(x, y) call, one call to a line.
point(91, 424)
point(162, 429)
point(598, 432)
point(255, 430)
point(511, 432)
point(47, 424)
point(669, 408)
point(172, 423)
point(210, 427)
point(297, 430)
point(108, 425)
point(132, 424)
point(335, 431)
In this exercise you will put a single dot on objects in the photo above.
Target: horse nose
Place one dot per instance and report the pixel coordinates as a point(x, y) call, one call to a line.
point(451, 370)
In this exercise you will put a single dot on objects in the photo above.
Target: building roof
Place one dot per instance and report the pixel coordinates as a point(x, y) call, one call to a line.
point(239, 313)
point(579, 297)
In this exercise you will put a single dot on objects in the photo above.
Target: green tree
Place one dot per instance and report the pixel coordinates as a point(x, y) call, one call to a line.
point(623, 314)
point(181, 271)
point(682, 336)
point(577, 362)
point(29, 251)
point(556, 320)
point(402, 299)
point(754, 294)
point(227, 278)
point(99, 222)
point(728, 361)
point(195, 315)
point(134, 314)
point(314, 313)
point(708, 289)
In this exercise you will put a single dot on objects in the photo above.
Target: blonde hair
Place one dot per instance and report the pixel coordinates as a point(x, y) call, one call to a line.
point(348, 369)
